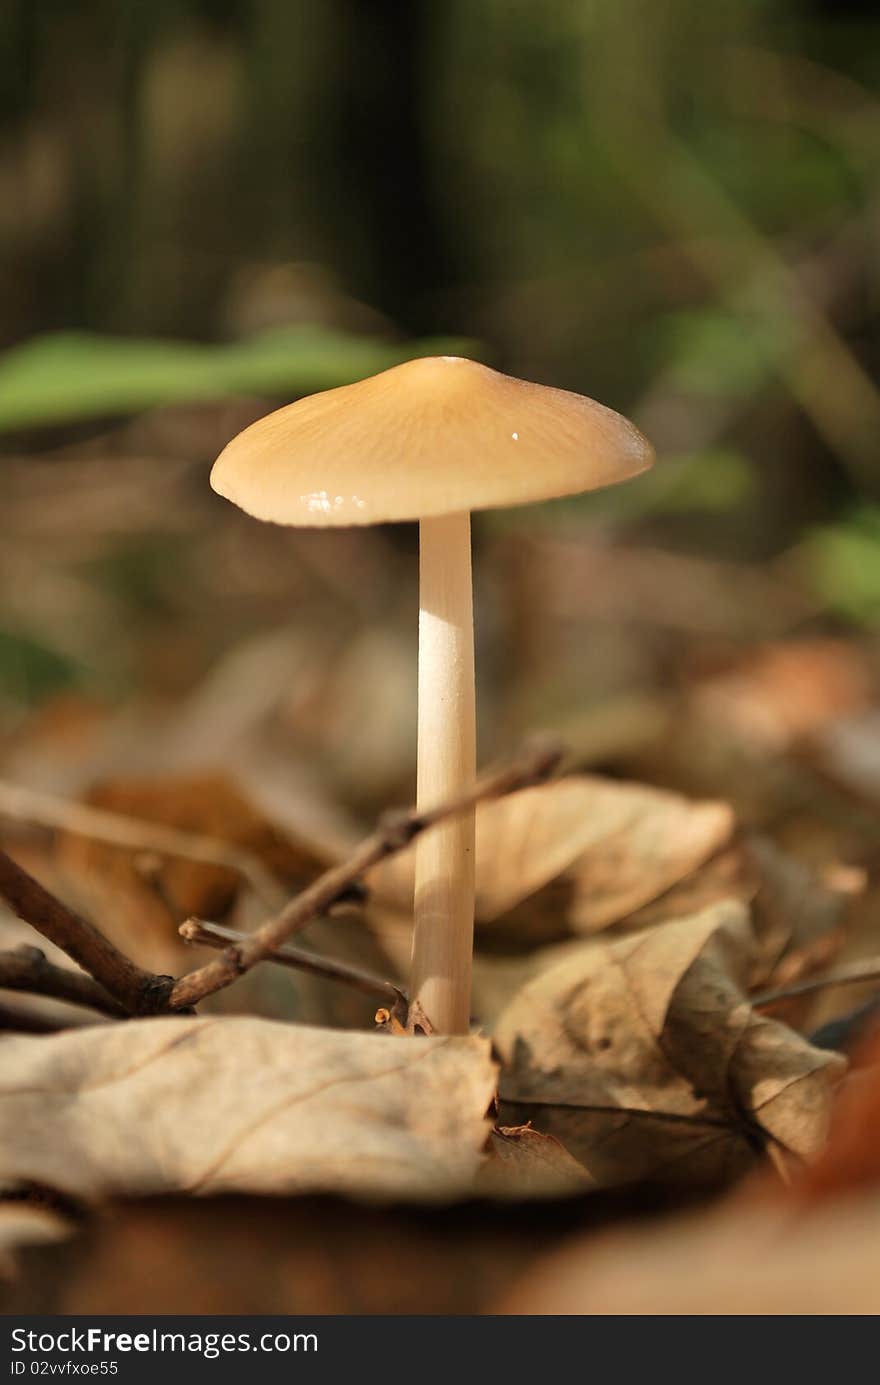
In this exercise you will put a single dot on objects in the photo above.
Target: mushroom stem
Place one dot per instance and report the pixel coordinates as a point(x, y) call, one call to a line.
point(444, 869)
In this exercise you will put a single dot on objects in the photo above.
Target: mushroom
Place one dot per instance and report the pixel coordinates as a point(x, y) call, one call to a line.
point(432, 440)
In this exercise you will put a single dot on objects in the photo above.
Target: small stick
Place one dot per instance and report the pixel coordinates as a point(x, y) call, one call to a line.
point(45, 810)
point(139, 992)
point(849, 975)
point(28, 969)
point(214, 935)
point(395, 831)
point(142, 992)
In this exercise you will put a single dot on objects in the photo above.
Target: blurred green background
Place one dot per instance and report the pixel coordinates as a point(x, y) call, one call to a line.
point(208, 207)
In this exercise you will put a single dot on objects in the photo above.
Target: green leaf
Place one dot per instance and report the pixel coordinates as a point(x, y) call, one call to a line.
point(31, 670)
point(713, 481)
point(64, 376)
point(842, 564)
point(719, 354)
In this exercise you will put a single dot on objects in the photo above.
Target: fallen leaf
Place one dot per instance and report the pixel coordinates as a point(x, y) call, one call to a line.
point(626, 844)
point(851, 1159)
point(783, 692)
point(496, 980)
point(799, 920)
point(799, 923)
point(810, 1248)
point(645, 1059)
point(200, 805)
point(525, 1163)
point(729, 874)
point(577, 854)
point(218, 1105)
point(799, 916)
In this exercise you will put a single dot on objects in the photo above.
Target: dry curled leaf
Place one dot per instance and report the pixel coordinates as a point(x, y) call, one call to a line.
point(220, 1105)
point(200, 805)
point(851, 1159)
point(729, 874)
point(811, 1248)
point(524, 1163)
point(578, 854)
point(645, 1058)
point(799, 919)
point(624, 844)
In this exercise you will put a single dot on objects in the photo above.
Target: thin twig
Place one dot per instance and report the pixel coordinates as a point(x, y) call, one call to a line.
point(28, 969)
point(139, 992)
point(136, 834)
point(849, 975)
point(394, 833)
point(216, 936)
point(142, 992)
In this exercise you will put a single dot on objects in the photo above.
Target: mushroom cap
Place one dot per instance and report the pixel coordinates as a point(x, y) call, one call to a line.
point(433, 436)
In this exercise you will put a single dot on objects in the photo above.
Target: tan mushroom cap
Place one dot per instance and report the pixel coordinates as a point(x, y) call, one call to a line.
point(431, 437)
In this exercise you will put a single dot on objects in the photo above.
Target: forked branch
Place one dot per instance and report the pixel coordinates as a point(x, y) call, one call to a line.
point(28, 969)
point(140, 992)
point(395, 832)
point(297, 958)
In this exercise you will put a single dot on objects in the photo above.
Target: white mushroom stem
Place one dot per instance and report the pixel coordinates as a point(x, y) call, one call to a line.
point(444, 875)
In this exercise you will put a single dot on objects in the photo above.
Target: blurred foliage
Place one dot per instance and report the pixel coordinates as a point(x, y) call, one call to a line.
point(76, 375)
point(843, 561)
point(716, 353)
point(31, 670)
point(671, 207)
point(714, 481)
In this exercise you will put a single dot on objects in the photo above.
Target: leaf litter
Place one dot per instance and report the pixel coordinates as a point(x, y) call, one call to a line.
point(644, 1057)
point(577, 854)
point(221, 1105)
point(632, 1057)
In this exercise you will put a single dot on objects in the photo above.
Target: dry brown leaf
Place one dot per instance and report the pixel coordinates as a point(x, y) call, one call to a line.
point(801, 919)
point(496, 980)
point(525, 1163)
point(625, 844)
point(209, 805)
point(729, 874)
point(644, 1057)
point(578, 854)
point(799, 923)
point(783, 692)
point(851, 1159)
point(218, 1105)
point(736, 1262)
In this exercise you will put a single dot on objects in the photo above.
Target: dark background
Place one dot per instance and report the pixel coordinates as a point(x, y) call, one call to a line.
point(672, 207)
